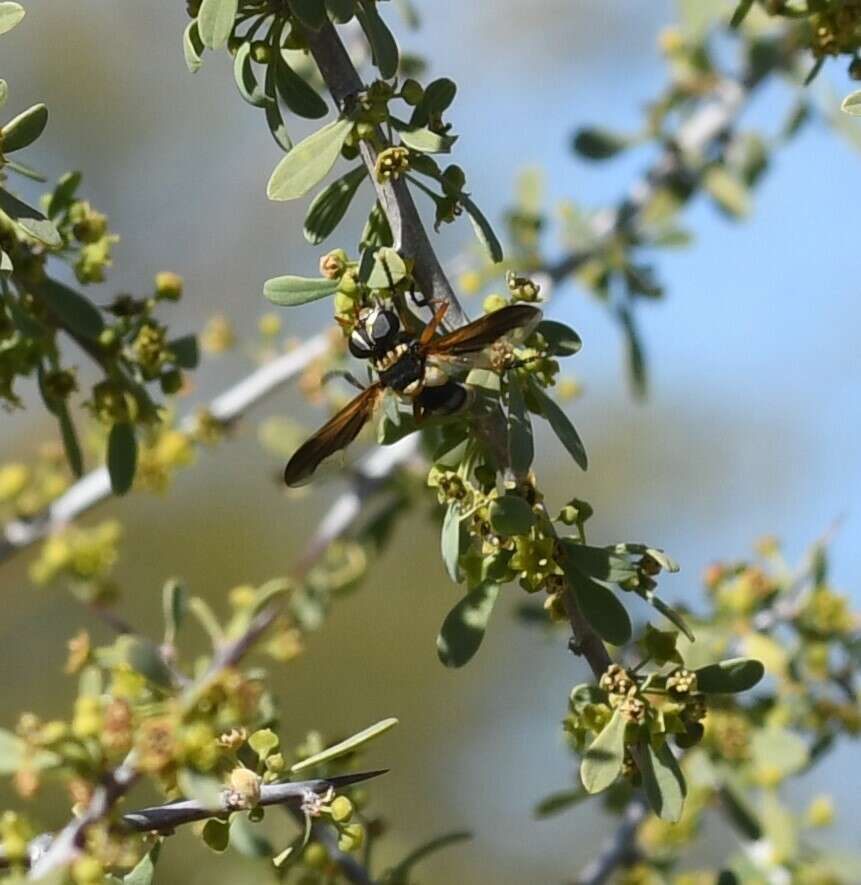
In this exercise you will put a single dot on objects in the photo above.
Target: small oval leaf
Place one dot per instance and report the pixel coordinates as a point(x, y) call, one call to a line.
point(330, 205)
point(598, 562)
point(346, 746)
point(561, 340)
point(852, 104)
point(483, 230)
point(298, 95)
point(246, 79)
point(72, 309)
point(664, 782)
point(30, 220)
point(511, 515)
point(122, 457)
point(10, 15)
point(289, 291)
point(23, 130)
point(521, 448)
point(601, 608)
point(383, 44)
point(450, 541)
point(215, 21)
point(464, 626)
point(561, 425)
point(602, 762)
point(308, 162)
point(729, 677)
point(192, 47)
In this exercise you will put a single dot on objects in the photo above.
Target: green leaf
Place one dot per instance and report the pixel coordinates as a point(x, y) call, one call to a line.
point(729, 677)
point(521, 449)
point(464, 626)
point(145, 658)
point(5, 263)
point(215, 21)
point(450, 541)
point(598, 562)
point(852, 104)
point(483, 230)
point(246, 79)
point(72, 309)
point(330, 205)
point(511, 515)
point(663, 781)
point(144, 871)
point(4, 92)
point(388, 269)
point(728, 190)
point(122, 457)
point(298, 95)
point(64, 193)
point(71, 446)
point(185, 351)
point(23, 130)
point(174, 606)
point(310, 12)
point(602, 762)
point(635, 352)
point(598, 144)
point(561, 339)
point(438, 95)
point(25, 170)
point(350, 745)
point(192, 47)
point(669, 613)
point(308, 162)
point(274, 118)
point(556, 803)
point(426, 140)
point(561, 425)
point(246, 838)
point(741, 11)
point(400, 873)
point(202, 788)
point(216, 834)
point(735, 802)
point(290, 291)
point(383, 44)
point(601, 608)
point(10, 15)
point(780, 827)
point(14, 752)
point(30, 220)
point(778, 748)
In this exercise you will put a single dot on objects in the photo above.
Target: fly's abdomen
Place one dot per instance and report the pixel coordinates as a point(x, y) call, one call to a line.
point(407, 370)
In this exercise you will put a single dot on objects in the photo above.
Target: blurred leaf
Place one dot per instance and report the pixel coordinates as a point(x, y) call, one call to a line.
point(598, 144)
point(64, 193)
point(601, 607)
point(174, 606)
point(144, 871)
point(216, 834)
point(511, 515)
point(10, 15)
point(425, 140)
point(311, 12)
point(289, 291)
point(556, 803)
point(778, 748)
point(408, 12)
point(521, 449)
point(669, 613)
point(483, 230)
point(399, 874)
point(388, 268)
point(185, 351)
point(464, 626)
point(23, 130)
point(72, 309)
point(71, 446)
point(246, 79)
point(308, 162)
point(741, 11)
point(14, 752)
point(663, 781)
point(192, 47)
point(25, 170)
point(263, 742)
point(737, 806)
point(329, 206)
point(347, 746)
point(298, 95)
point(340, 11)
point(383, 44)
point(602, 762)
point(122, 457)
point(728, 190)
point(215, 21)
point(780, 828)
point(248, 840)
point(4, 92)
point(598, 562)
point(852, 104)
point(202, 788)
point(450, 541)
point(561, 339)
point(145, 658)
point(730, 676)
point(30, 220)
point(561, 425)
point(635, 352)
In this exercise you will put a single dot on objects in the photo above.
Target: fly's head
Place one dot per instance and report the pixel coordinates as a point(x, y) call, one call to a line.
point(375, 333)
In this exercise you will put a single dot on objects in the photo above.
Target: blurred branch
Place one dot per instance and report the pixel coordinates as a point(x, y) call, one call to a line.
point(227, 407)
point(410, 237)
point(619, 849)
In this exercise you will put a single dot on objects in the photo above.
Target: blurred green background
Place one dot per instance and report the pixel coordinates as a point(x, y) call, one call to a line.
point(750, 427)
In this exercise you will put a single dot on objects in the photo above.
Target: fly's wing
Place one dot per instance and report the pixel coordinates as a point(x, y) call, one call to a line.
point(337, 434)
point(476, 336)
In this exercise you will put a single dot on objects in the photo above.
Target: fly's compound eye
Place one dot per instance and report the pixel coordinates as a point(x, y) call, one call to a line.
point(359, 345)
point(382, 327)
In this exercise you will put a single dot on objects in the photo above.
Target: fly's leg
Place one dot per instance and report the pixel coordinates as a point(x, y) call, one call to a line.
point(349, 377)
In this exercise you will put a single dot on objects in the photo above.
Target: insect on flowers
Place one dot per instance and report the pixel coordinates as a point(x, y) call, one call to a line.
point(413, 367)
